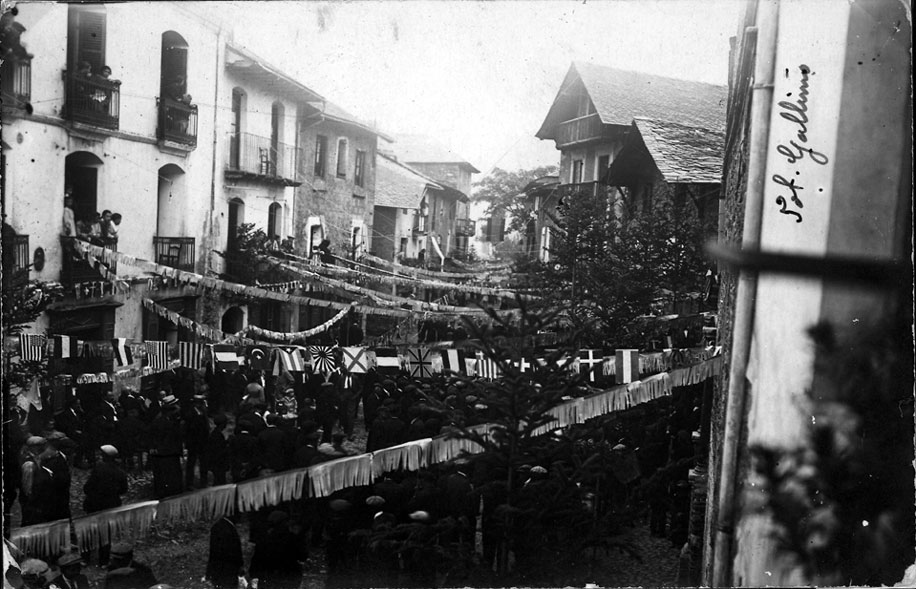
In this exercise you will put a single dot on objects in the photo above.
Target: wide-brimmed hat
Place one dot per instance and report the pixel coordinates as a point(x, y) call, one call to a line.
point(70, 558)
point(109, 450)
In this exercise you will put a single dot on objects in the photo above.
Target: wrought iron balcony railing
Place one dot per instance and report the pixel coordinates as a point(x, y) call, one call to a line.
point(15, 252)
point(175, 252)
point(177, 121)
point(94, 101)
point(16, 81)
point(261, 156)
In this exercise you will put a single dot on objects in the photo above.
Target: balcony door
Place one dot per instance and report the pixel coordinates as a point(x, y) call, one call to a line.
point(173, 72)
point(81, 172)
point(235, 220)
point(235, 138)
point(170, 213)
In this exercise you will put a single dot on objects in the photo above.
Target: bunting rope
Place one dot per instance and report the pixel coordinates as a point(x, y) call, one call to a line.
point(51, 538)
point(389, 278)
point(473, 274)
point(206, 283)
point(288, 337)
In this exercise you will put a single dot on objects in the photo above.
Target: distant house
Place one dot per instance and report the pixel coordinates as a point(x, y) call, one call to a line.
point(449, 226)
point(338, 168)
point(592, 118)
point(402, 197)
point(669, 160)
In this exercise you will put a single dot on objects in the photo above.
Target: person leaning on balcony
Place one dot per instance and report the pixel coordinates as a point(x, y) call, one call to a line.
point(101, 96)
point(110, 228)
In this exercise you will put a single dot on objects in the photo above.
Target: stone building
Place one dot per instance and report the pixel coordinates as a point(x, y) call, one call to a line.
point(402, 197)
point(449, 225)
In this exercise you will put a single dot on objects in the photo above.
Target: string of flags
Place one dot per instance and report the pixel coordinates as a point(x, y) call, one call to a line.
point(322, 480)
point(104, 259)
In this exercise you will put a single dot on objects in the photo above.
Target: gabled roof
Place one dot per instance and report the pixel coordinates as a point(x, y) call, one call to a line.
point(249, 65)
point(619, 96)
point(423, 149)
point(682, 154)
point(333, 112)
point(398, 185)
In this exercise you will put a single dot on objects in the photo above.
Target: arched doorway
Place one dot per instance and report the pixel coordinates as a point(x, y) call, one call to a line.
point(236, 218)
point(233, 320)
point(170, 217)
point(81, 173)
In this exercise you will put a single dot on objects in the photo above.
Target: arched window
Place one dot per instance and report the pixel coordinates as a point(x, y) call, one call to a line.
point(173, 73)
point(275, 220)
point(233, 320)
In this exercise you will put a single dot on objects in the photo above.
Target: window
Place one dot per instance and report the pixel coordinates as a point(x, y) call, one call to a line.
point(321, 155)
point(86, 36)
point(359, 170)
point(342, 158)
point(403, 211)
point(355, 243)
point(274, 220)
point(402, 248)
point(578, 168)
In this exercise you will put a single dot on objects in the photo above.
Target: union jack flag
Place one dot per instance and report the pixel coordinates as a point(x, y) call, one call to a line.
point(421, 363)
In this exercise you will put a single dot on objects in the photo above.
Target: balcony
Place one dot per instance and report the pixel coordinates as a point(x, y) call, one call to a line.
point(593, 189)
point(75, 270)
point(465, 227)
point(175, 252)
point(16, 83)
point(15, 252)
point(177, 123)
point(93, 101)
point(581, 130)
point(260, 158)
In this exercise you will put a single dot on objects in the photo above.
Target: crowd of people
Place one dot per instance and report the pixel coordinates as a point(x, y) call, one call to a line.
point(97, 228)
point(204, 428)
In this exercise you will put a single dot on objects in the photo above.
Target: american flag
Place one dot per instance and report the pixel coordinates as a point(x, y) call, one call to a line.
point(157, 354)
point(122, 353)
point(32, 346)
point(65, 346)
point(190, 355)
point(421, 364)
point(323, 359)
point(487, 367)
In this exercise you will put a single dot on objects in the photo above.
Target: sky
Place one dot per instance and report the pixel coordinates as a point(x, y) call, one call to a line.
point(478, 76)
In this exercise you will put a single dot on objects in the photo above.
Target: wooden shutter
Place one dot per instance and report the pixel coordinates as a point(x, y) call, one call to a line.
point(501, 227)
point(86, 37)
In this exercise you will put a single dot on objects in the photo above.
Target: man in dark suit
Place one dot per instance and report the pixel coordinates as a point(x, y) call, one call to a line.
point(106, 483)
point(126, 573)
point(70, 576)
point(196, 432)
point(273, 446)
point(225, 561)
point(216, 453)
point(165, 433)
point(56, 461)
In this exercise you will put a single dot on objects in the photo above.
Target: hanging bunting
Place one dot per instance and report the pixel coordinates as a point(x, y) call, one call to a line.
point(258, 357)
point(157, 354)
point(386, 360)
point(190, 355)
point(453, 361)
point(590, 361)
point(224, 357)
point(626, 365)
point(65, 346)
point(420, 362)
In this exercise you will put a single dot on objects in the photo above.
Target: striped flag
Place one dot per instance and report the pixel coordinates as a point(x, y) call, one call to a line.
point(386, 360)
point(589, 362)
point(487, 367)
point(289, 360)
point(421, 362)
point(31, 346)
point(323, 359)
point(355, 359)
point(121, 350)
point(157, 354)
point(626, 366)
point(65, 346)
point(453, 361)
point(190, 355)
point(225, 357)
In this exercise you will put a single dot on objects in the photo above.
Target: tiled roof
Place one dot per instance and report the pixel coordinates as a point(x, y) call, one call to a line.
point(426, 150)
point(683, 154)
point(398, 185)
point(335, 112)
point(620, 96)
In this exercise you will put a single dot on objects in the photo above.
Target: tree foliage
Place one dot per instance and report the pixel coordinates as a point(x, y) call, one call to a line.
point(608, 267)
point(502, 189)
